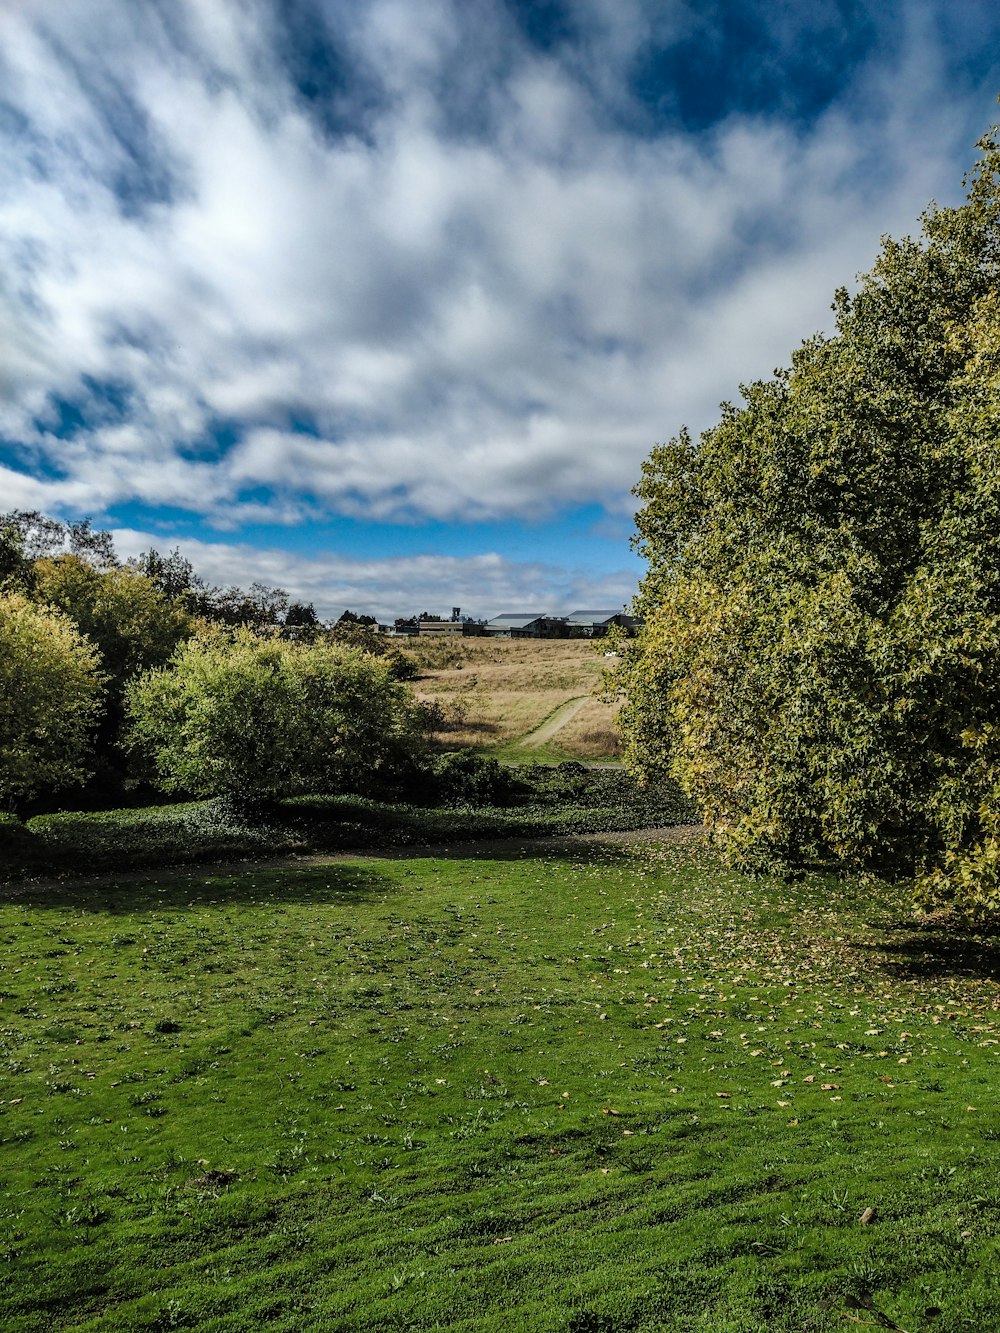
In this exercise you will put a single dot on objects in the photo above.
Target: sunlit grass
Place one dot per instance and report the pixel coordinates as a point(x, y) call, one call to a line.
point(587, 1090)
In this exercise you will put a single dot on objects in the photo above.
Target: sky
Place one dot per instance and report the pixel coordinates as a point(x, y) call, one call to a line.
point(386, 301)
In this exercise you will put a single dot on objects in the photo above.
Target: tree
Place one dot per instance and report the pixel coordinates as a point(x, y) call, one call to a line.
point(132, 624)
point(174, 575)
point(255, 719)
point(261, 607)
point(820, 663)
point(50, 694)
point(14, 566)
point(301, 622)
point(39, 535)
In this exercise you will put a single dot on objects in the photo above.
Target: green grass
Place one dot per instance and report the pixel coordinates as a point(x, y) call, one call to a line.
point(588, 1091)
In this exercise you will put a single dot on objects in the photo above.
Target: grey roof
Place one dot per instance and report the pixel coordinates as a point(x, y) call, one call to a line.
point(518, 619)
point(593, 617)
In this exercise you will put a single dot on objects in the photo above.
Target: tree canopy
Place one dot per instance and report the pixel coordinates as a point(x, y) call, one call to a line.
point(127, 618)
point(820, 663)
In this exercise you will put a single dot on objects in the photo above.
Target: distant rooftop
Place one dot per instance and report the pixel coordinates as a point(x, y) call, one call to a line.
point(519, 617)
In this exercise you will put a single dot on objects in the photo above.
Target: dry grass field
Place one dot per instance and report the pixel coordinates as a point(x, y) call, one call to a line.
point(496, 692)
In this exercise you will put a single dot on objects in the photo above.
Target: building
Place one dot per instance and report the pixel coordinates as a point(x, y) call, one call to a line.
point(441, 629)
point(595, 624)
point(523, 625)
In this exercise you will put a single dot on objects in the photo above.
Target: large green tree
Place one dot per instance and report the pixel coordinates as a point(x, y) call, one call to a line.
point(50, 693)
point(256, 718)
point(133, 625)
point(820, 663)
point(130, 622)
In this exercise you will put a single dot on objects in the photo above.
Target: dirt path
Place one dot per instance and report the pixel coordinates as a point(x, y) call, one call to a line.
point(554, 723)
point(310, 860)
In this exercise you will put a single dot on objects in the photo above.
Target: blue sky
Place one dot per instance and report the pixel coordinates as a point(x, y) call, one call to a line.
point(385, 301)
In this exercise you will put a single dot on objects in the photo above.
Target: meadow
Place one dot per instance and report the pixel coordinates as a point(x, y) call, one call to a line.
point(495, 693)
point(575, 1088)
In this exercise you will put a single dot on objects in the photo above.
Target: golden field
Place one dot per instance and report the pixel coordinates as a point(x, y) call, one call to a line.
point(496, 692)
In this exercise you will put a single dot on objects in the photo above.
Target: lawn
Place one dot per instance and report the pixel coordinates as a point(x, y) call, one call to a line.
point(590, 1089)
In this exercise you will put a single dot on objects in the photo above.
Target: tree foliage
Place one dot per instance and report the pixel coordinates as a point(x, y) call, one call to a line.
point(257, 718)
point(820, 663)
point(127, 618)
point(50, 694)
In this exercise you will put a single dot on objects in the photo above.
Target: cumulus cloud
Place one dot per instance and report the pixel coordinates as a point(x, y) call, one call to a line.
point(454, 273)
point(482, 585)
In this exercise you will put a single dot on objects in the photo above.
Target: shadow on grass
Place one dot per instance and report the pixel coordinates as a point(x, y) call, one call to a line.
point(269, 883)
point(931, 953)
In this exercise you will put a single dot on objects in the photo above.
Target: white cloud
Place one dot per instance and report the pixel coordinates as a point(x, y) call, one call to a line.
point(479, 326)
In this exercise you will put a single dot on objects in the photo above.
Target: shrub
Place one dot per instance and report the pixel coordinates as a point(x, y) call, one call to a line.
point(257, 719)
point(467, 777)
point(15, 839)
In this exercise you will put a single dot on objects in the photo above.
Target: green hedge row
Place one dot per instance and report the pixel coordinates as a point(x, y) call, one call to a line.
point(568, 798)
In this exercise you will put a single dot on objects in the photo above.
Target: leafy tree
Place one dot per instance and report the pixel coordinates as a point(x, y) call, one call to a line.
point(133, 627)
point(175, 577)
point(50, 693)
point(301, 622)
point(261, 607)
point(39, 535)
point(254, 718)
point(132, 624)
point(820, 663)
point(15, 568)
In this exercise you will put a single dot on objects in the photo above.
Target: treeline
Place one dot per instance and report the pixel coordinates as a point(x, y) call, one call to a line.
point(91, 648)
point(30, 541)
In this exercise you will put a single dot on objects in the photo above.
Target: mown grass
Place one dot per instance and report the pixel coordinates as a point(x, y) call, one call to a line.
point(592, 1090)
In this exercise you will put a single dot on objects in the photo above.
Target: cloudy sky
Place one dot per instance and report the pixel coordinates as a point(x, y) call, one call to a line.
point(385, 301)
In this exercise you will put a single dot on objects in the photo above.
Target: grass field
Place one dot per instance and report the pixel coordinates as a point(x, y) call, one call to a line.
point(587, 1090)
point(495, 692)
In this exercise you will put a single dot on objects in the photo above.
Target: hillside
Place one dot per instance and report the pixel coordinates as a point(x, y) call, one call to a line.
point(524, 698)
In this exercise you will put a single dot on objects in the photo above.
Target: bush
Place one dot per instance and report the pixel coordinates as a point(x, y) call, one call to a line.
point(467, 777)
point(15, 838)
point(256, 719)
point(159, 835)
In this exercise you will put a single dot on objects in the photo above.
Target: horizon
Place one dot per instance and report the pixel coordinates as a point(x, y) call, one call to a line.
point(386, 304)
